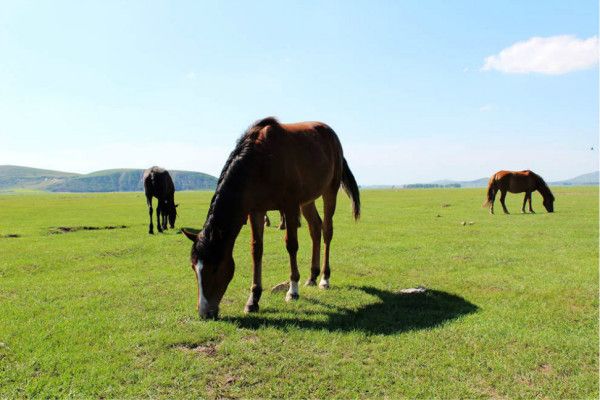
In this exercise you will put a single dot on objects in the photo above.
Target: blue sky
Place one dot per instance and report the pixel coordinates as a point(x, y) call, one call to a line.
point(96, 85)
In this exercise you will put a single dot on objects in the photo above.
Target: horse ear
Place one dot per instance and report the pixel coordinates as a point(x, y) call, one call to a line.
point(191, 234)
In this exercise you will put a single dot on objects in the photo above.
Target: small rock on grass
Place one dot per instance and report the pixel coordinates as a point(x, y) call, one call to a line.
point(418, 289)
point(282, 287)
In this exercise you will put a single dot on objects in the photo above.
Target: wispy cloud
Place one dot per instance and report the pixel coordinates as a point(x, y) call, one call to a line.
point(486, 108)
point(553, 55)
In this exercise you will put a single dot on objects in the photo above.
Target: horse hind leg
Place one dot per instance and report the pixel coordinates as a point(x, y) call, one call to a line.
point(524, 202)
point(502, 198)
point(492, 201)
point(282, 225)
point(315, 225)
point(329, 204)
point(150, 226)
point(291, 244)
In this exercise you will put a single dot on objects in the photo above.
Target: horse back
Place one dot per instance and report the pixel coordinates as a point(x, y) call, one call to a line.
point(516, 181)
point(299, 160)
point(158, 183)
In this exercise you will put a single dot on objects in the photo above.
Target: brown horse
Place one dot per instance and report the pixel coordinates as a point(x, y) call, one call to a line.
point(274, 166)
point(518, 182)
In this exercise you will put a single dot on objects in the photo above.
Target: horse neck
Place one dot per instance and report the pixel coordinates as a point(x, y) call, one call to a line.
point(543, 189)
point(226, 215)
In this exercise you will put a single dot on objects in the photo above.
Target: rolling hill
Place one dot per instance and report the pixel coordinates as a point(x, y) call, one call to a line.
point(585, 179)
point(113, 180)
point(15, 177)
point(580, 180)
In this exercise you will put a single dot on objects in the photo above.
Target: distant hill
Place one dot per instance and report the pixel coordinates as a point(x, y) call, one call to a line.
point(113, 180)
point(585, 179)
point(581, 180)
point(15, 177)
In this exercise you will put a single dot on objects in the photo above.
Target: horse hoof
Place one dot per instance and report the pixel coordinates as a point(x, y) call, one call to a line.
point(291, 297)
point(251, 308)
point(311, 282)
point(324, 284)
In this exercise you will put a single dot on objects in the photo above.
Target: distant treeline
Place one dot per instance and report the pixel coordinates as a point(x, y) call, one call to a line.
point(431, 185)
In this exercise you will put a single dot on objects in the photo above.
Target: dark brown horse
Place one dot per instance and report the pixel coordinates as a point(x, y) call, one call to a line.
point(158, 183)
point(274, 166)
point(518, 182)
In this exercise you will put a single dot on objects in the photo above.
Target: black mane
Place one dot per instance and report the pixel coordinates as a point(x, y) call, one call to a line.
point(544, 189)
point(225, 208)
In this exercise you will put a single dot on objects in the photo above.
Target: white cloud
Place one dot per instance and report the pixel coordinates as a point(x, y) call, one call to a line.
point(553, 55)
point(486, 108)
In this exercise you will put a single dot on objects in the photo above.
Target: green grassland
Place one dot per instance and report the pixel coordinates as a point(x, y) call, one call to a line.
point(511, 311)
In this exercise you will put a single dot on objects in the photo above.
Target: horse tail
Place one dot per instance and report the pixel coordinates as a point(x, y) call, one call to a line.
point(490, 192)
point(351, 189)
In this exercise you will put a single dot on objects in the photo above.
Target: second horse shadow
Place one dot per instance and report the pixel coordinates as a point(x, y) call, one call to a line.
point(392, 313)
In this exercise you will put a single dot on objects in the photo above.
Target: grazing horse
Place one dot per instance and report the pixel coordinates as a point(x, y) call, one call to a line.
point(158, 183)
point(274, 166)
point(518, 182)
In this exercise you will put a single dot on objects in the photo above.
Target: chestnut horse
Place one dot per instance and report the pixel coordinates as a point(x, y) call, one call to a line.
point(274, 166)
point(518, 182)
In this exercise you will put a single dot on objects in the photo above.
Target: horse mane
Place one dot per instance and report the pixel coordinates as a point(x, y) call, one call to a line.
point(221, 215)
point(543, 188)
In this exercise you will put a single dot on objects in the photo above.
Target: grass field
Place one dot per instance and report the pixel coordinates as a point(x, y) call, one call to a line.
point(511, 311)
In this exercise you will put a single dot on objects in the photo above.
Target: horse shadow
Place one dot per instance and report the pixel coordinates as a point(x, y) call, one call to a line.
point(392, 313)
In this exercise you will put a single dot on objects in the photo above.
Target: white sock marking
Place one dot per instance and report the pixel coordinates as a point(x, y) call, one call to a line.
point(324, 282)
point(292, 292)
point(293, 288)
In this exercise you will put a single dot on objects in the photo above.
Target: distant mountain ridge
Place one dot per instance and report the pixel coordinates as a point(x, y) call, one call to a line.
point(112, 180)
point(589, 179)
point(585, 179)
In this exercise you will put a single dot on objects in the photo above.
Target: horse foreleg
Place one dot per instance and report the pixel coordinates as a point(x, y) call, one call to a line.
point(159, 209)
point(315, 225)
point(164, 217)
point(530, 208)
point(257, 227)
point(329, 203)
point(502, 198)
point(524, 202)
point(150, 227)
point(291, 244)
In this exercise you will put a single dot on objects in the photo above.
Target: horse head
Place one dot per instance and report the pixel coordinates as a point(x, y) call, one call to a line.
point(172, 214)
point(213, 272)
point(549, 204)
